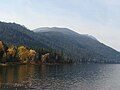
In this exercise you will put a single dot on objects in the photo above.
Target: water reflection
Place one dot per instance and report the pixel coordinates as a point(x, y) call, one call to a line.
point(62, 77)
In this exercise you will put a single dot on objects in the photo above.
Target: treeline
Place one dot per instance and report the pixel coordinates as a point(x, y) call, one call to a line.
point(23, 55)
point(78, 47)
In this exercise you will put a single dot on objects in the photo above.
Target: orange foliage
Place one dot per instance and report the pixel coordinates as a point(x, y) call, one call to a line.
point(11, 51)
point(23, 53)
point(1, 45)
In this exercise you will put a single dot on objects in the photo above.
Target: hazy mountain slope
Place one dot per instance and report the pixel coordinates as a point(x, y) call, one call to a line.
point(62, 30)
point(66, 38)
point(76, 46)
point(16, 34)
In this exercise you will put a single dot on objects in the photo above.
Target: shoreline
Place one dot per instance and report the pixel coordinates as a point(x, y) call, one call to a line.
point(31, 63)
point(39, 63)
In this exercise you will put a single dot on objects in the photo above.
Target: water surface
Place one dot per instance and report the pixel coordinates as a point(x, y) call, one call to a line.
point(61, 77)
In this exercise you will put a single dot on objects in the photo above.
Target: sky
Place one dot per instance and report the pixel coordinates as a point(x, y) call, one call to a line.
point(100, 18)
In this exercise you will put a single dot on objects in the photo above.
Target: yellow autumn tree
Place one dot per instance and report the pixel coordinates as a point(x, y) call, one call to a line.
point(1, 46)
point(32, 54)
point(23, 54)
point(45, 57)
point(11, 51)
point(2, 54)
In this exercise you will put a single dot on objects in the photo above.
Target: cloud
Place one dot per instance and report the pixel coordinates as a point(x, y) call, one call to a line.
point(99, 18)
point(111, 2)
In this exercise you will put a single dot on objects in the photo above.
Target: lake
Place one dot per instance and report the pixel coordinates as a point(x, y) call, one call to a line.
point(61, 77)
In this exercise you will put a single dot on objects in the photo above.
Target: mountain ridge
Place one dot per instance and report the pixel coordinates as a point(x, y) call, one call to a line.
point(75, 46)
point(63, 30)
point(83, 38)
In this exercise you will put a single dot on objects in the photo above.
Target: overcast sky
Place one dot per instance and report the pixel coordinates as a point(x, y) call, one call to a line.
point(100, 18)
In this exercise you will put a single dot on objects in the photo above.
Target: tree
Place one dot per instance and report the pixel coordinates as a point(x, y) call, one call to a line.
point(11, 52)
point(1, 50)
point(45, 57)
point(23, 53)
point(32, 54)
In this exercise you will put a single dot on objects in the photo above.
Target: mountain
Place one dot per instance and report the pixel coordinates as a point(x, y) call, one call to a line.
point(90, 36)
point(61, 30)
point(12, 33)
point(79, 45)
point(76, 46)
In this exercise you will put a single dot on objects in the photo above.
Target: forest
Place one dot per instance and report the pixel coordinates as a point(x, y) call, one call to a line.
point(24, 55)
point(63, 42)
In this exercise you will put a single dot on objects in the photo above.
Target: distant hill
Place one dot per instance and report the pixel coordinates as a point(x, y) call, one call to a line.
point(79, 45)
point(61, 30)
point(76, 46)
point(12, 33)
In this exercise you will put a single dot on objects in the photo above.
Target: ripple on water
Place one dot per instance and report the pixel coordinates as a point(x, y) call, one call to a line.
point(61, 77)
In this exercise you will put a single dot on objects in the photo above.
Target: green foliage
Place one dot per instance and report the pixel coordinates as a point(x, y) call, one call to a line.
point(22, 54)
point(74, 46)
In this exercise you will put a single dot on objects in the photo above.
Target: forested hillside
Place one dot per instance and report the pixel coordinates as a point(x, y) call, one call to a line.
point(77, 47)
point(25, 55)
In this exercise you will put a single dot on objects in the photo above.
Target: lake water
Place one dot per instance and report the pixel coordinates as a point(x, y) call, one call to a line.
point(61, 77)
